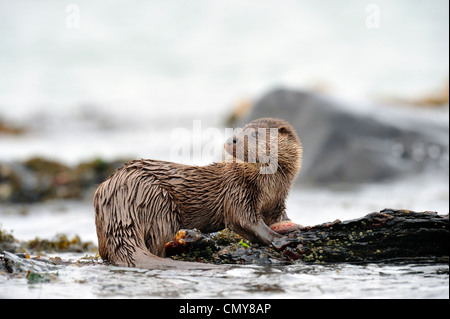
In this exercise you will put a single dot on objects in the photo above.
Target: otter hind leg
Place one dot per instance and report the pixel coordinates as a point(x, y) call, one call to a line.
point(162, 218)
point(166, 219)
point(134, 220)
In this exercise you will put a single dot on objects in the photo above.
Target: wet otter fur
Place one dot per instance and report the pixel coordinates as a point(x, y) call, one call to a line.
point(145, 202)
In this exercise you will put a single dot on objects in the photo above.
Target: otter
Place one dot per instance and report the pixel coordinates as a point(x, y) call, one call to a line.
point(145, 202)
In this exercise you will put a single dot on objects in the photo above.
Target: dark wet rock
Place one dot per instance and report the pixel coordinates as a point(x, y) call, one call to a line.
point(14, 263)
point(346, 146)
point(36, 270)
point(258, 255)
point(224, 247)
point(389, 235)
point(385, 236)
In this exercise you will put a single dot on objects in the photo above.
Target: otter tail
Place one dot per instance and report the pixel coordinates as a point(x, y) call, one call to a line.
point(146, 260)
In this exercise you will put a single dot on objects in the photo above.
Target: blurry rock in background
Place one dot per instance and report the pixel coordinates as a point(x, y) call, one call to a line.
point(39, 179)
point(346, 145)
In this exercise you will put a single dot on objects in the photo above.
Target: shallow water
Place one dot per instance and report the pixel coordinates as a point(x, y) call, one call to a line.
point(294, 281)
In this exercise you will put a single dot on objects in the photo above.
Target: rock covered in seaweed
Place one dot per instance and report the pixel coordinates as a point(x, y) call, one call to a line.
point(223, 247)
point(59, 243)
point(40, 179)
point(8, 242)
point(388, 235)
point(397, 235)
point(191, 245)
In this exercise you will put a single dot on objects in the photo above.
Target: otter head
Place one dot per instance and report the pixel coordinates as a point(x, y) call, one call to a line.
point(271, 144)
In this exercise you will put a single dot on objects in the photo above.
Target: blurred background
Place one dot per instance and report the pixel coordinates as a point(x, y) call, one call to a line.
point(85, 86)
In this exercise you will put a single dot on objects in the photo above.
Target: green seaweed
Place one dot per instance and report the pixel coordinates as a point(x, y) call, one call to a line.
point(60, 243)
point(35, 278)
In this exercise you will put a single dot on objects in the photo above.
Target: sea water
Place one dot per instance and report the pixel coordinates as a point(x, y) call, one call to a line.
point(387, 281)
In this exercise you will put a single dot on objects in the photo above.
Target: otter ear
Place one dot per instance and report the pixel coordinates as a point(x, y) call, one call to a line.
point(283, 130)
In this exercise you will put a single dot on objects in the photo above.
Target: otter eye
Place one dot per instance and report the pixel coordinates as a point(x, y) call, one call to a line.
point(255, 134)
point(283, 130)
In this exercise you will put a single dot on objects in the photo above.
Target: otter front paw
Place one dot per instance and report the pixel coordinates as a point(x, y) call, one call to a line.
point(285, 226)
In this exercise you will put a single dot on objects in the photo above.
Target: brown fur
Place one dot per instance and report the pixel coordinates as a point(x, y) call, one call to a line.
point(145, 202)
